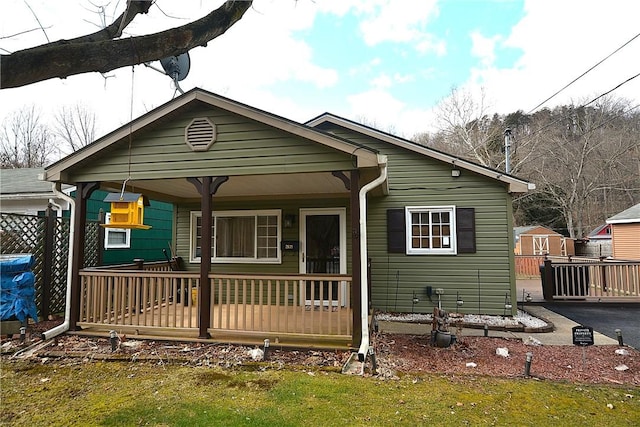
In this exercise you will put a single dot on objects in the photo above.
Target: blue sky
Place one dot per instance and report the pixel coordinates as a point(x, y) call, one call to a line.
point(387, 62)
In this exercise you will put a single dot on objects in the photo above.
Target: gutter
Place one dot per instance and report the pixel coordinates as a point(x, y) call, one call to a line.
point(64, 327)
point(58, 208)
point(364, 294)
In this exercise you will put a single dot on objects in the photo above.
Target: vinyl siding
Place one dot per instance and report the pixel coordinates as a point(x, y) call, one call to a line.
point(290, 260)
point(626, 241)
point(242, 147)
point(483, 279)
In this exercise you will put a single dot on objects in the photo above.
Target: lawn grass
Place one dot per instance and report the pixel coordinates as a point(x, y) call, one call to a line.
point(131, 394)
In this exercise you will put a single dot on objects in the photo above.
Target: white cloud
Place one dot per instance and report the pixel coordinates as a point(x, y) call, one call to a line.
point(559, 42)
point(401, 22)
point(382, 110)
point(382, 81)
point(484, 47)
point(430, 43)
point(365, 68)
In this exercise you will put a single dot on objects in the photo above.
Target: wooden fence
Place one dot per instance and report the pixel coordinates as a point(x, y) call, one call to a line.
point(529, 266)
point(593, 280)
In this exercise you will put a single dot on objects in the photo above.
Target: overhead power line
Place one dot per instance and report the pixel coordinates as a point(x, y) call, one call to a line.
point(583, 105)
point(611, 90)
point(583, 74)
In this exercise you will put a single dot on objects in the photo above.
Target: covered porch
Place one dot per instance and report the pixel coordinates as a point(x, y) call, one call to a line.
point(289, 310)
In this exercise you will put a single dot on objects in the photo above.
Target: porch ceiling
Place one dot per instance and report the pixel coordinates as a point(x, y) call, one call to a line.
point(254, 186)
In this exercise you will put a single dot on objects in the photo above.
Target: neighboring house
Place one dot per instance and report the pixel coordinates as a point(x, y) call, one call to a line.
point(22, 192)
point(124, 245)
point(602, 232)
point(539, 240)
point(625, 234)
point(597, 244)
point(295, 214)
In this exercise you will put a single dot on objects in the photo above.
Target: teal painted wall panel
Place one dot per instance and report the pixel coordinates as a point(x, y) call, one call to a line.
point(145, 244)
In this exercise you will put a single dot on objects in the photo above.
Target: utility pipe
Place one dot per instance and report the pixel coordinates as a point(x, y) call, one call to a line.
point(364, 279)
point(64, 327)
point(58, 208)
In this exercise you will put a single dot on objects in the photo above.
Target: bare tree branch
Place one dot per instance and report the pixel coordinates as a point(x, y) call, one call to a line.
point(100, 52)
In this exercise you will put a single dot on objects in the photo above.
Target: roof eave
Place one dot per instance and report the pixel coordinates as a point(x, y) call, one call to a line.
point(364, 157)
point(515, 185)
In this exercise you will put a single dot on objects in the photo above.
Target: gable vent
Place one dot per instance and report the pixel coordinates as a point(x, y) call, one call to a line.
point(200, 134)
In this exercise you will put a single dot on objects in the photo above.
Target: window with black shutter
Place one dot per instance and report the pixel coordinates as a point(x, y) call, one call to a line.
point(431, 230)
point(466, 230)
point(396, 237)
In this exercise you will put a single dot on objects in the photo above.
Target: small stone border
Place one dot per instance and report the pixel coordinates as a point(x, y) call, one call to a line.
point(549, 327)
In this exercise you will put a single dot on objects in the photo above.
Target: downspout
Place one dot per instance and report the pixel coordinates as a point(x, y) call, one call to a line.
point(364, 273)
point(58, 208)
point(64, 327)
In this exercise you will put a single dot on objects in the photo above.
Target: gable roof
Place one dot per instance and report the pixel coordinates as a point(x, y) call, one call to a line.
point(515, 185)
point(518, 231)
point(363, 156)
point(627, 216)
point(597, 233)
point(24, 183)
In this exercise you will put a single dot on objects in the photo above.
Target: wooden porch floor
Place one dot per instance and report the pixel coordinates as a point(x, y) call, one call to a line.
point(249, 324)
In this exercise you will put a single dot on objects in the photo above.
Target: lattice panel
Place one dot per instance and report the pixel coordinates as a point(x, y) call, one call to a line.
point(58, 285)
point(26, 234)
point(92, 244)
point(19, 234)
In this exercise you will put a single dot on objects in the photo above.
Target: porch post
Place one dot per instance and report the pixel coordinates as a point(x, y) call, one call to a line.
point(83, 192)
point(356, 274)
point(204, 299)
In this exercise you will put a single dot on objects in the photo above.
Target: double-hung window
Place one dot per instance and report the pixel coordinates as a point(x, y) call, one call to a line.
point(430, 229)
point(116, 238)
point(239, 236)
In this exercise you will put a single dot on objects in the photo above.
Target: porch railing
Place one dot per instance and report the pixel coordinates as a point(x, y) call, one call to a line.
point(283, 304)
point(165, 302)
point(144, 299)
point(528, 266)
point(599, 280)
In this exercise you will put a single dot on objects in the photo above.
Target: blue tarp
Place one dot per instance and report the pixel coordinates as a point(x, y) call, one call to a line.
point(17, 289)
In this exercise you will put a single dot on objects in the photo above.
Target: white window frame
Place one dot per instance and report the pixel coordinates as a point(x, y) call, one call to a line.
point(107, 231)
point(451, 210)
point(235, 260)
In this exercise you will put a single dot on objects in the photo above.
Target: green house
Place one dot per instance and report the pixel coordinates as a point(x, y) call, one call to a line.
point(121, 245)
point(311, 227)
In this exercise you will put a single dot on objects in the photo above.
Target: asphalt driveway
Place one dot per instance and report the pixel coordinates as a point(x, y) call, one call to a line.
point(604, 318)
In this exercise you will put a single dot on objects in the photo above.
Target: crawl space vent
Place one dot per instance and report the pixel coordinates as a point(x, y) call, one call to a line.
point(200, 134)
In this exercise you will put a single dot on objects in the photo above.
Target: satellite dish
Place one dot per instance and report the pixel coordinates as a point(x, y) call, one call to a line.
point(176, 67)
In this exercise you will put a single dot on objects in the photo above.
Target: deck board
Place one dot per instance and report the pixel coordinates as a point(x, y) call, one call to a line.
point(239, 323)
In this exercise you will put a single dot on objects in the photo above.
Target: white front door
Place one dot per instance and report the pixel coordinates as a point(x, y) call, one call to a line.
point(323, 250)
